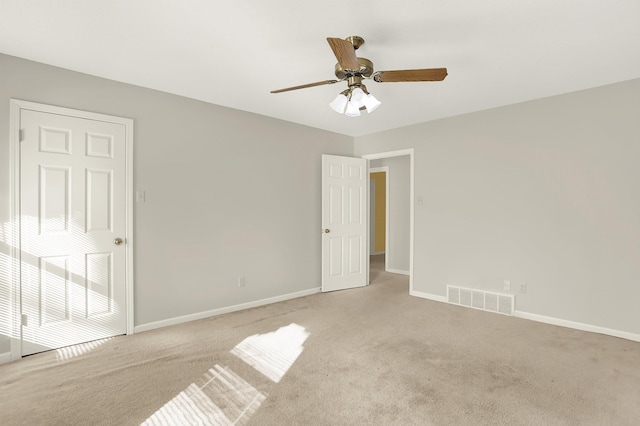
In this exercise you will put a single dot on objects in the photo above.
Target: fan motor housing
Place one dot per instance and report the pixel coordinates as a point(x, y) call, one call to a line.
point(365, 70)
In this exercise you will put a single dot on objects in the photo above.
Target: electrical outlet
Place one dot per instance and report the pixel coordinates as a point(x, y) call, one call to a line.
point(507, 285)
point(242, 282)
point(523, 288)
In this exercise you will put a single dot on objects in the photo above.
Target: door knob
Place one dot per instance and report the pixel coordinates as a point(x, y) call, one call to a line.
point(117, 241)
point(327, 230)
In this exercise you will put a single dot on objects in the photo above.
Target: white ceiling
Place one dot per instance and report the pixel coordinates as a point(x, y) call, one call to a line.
point(232, 53)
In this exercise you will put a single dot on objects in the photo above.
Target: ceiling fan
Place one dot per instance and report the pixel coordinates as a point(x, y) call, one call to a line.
point(353, 70)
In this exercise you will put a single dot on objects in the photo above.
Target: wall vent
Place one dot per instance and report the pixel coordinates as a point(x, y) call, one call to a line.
point(481, 299)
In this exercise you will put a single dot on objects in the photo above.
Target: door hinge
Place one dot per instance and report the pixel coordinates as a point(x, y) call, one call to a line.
point(20, 135)
point(24, 320)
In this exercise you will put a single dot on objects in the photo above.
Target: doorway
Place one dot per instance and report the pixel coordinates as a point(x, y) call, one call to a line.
point(378, 220)
point(399, 201)
point(72, 209)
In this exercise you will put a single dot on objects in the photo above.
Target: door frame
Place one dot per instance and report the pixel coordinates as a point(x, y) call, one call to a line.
point(16, 107)
point(390, 154)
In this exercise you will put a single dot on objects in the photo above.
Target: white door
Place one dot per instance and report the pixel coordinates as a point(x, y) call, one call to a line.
point(344, 221)
point(72, 211)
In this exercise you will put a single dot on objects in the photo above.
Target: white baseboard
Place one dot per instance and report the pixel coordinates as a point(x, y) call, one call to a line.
point(398, 271)
point(548, 320)
point(577, 325)
point(220, 311)
point(5, 357)
point(429, 296)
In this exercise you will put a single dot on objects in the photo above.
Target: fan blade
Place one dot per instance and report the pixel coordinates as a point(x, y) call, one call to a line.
point(345, 53)
point(304, 86)
point(430, 74)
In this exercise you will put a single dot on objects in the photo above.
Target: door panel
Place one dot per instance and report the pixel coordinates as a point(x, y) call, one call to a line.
point(355, 254)
point(344, 215)
point(99, 196)
point(54, 200)
point(54, 290)
point(72, 207)
point(100, 282)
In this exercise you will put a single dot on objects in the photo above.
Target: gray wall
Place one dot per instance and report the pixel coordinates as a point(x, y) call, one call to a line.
point(228, 193)
point(544, 193)
point(399, 213)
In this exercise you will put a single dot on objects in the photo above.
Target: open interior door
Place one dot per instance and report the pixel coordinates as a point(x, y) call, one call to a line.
point(344, 221)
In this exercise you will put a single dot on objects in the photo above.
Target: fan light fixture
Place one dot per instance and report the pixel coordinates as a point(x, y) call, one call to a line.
point(353, 100)
point(354, 69)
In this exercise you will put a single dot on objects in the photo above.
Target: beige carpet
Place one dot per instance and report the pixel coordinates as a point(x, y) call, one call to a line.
point(370, 356)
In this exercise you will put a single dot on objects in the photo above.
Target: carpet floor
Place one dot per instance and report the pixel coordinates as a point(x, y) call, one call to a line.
point(368, 356)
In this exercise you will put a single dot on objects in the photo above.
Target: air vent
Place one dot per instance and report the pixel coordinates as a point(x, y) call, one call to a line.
point(480, 299)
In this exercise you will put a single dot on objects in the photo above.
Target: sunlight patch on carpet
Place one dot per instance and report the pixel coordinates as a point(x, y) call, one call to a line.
point(64, 354)
point(222, 398)
point(272, 354)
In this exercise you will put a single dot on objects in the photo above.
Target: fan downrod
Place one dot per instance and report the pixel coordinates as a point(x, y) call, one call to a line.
point(357, 41)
